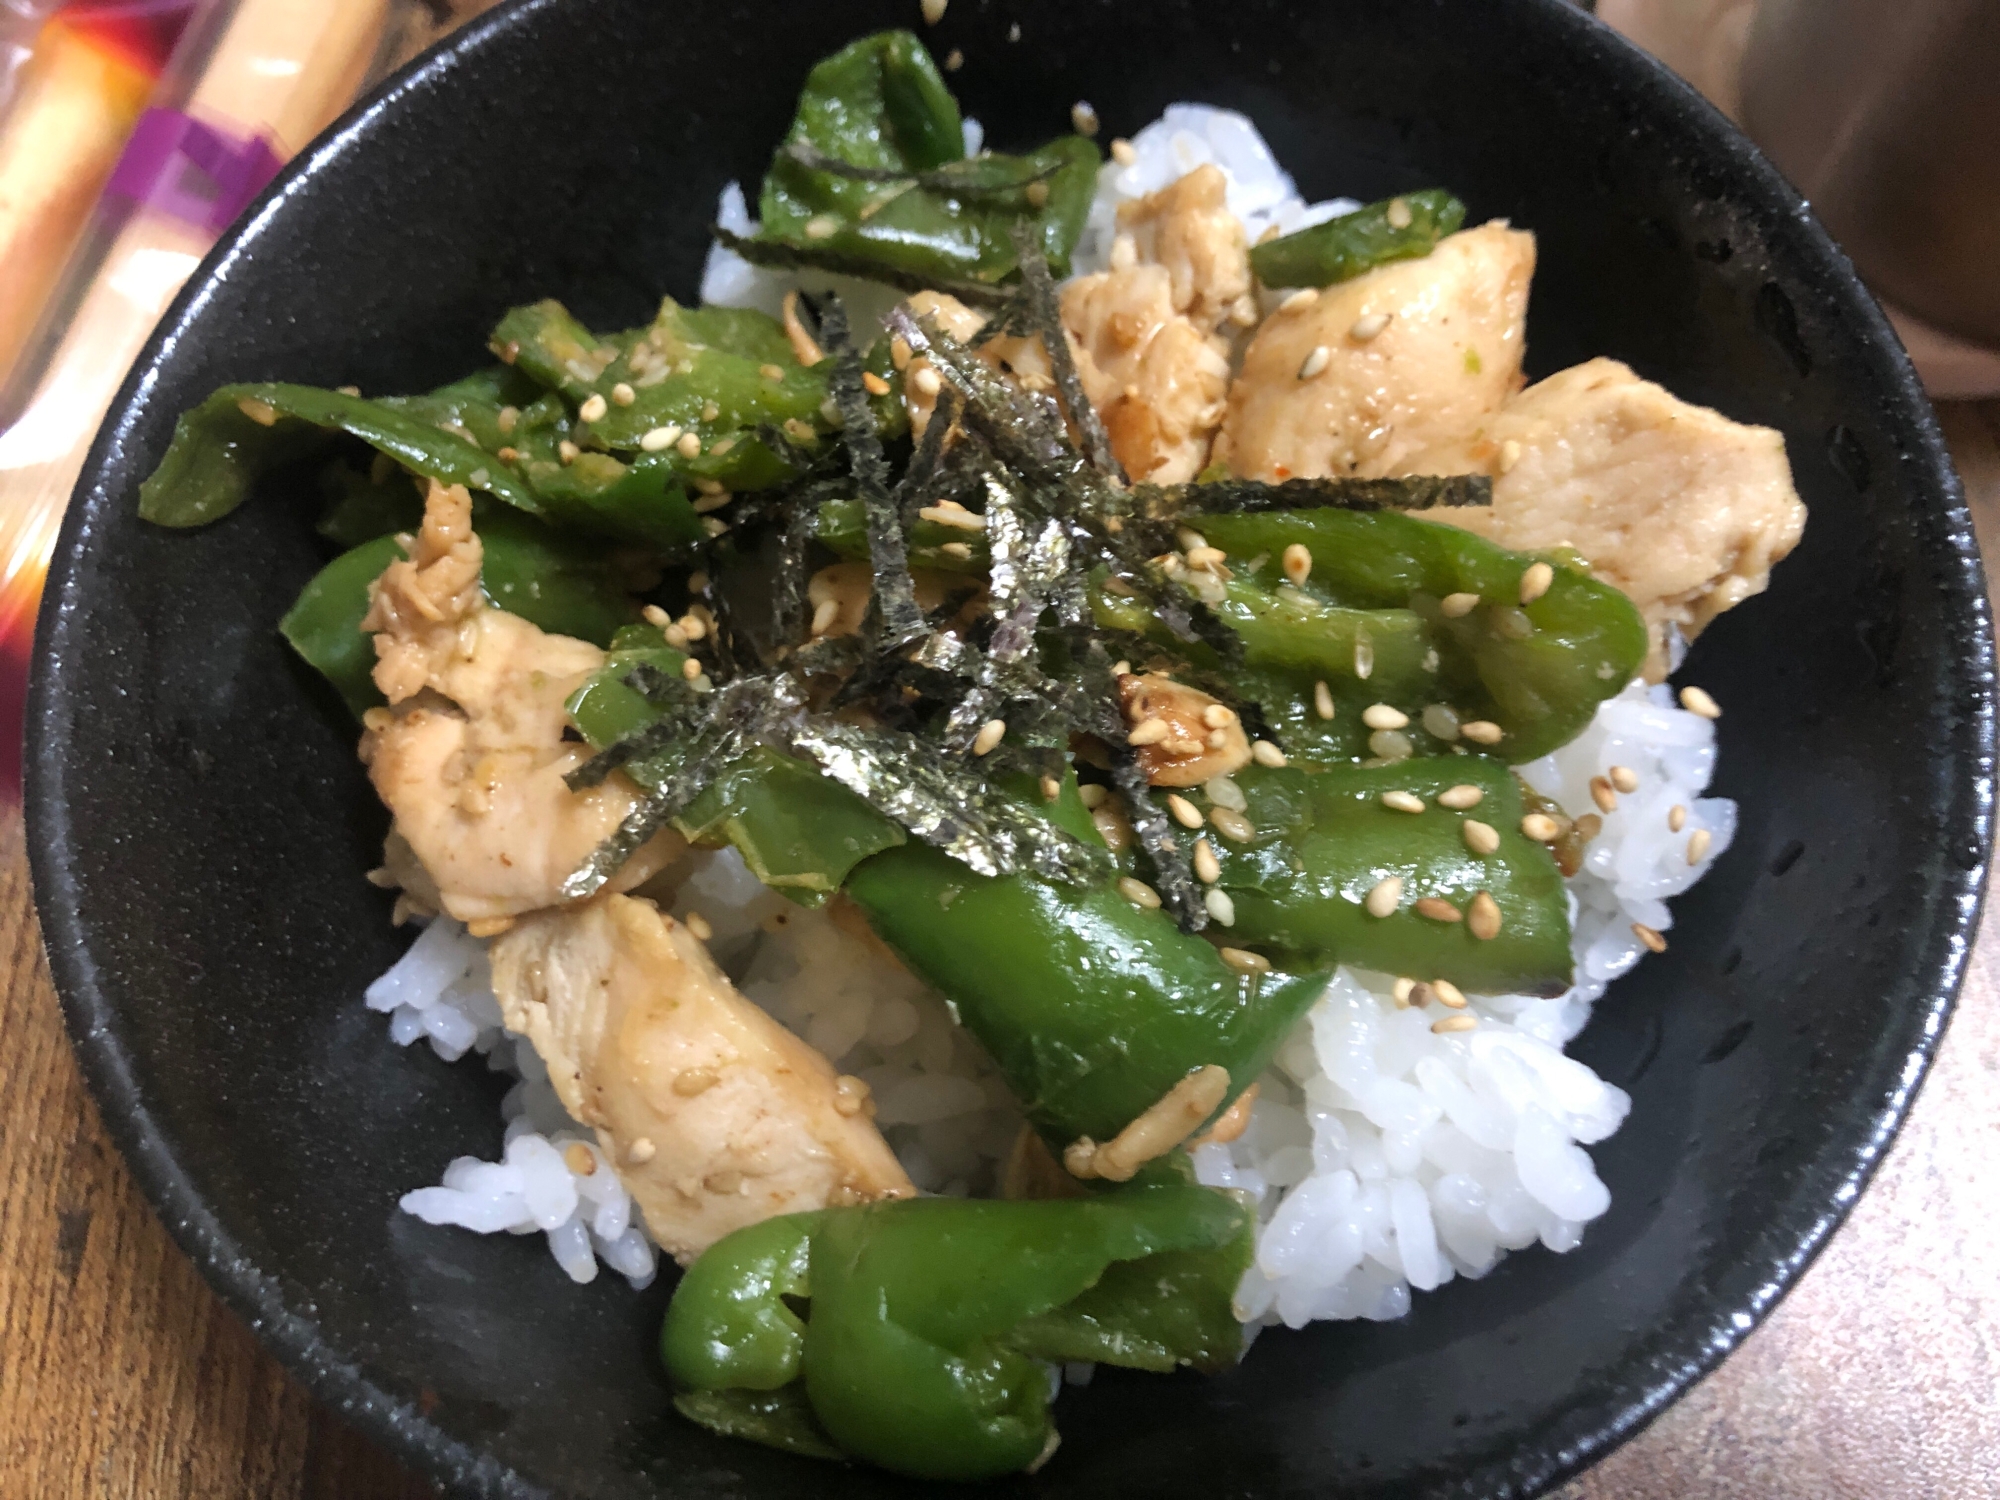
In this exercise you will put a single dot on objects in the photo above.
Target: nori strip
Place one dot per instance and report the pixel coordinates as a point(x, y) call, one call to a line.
point(784, 256)
point(913, 489)
point(1157, 502)
point(1039, 308)
point(896, 596)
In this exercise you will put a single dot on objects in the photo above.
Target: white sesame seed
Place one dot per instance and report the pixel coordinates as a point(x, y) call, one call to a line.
point(640, 1151)
point(1398, 213)
point(1218, 716)
point(1448, 993)
point(1322, 700)
point(688, 445)
point(1316, 362)
point(1459, 798)
point(926, 382)
point(821, 226)
point(1480, 838)
point(698, 925)
point(1364, 658)
point(1482, 732)
point(567, 451)
point(1650, 937)
point(1403, 802)
point(691, 668)
point(954, 60)
point(1402, 990)
point(1204, 559)
point(1436, 910)
point(1624, 778)
point(1390, 745)
point(989, 736)
point(1123, 152)
point(959, 550)
point(1207, 868)
point(1440, 722)
point(1267, 754)
point(1242, 960)
point(964, 520)
point(1698, 843)
point(1602, 794)
point(1148, 732)
point(1220, 907)
point(1185, 812)
point(934, 11)
point(1482, 918)
point(1138, 893)
point(1450, 1024)
point(1385, 897)
point(1092, 795)
point(1535, 582)
point(1189, 540)
point(1082, 118)
point(1304, 297)
point(1232, 825)
point(1037, 193)
point(1696, 701)
point(1382, 716)
point(653, 615)
point(623, 394)
point(1366, 328)
point(1298, 563)
point(1510, 454)
point(1677, 817)
point(714, 525)
point(1457, 606)
point(1541, 827)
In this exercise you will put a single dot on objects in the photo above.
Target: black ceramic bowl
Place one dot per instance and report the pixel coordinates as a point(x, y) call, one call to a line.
point(200, 824)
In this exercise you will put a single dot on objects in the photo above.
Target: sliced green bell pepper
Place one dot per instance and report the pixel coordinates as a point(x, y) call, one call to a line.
point(1376, 235)
point(1325, 839)
point(929, 1319)
point(879, 104)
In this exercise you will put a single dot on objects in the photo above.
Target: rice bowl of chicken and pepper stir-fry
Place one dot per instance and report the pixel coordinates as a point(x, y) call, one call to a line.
point(1043, 778)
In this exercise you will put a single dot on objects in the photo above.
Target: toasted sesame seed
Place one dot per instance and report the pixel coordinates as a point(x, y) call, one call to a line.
point(1437, 909)
point(1138, 893)
point(676, 637)
point(1037, 193)
point(1440, 722)
point(1382, 716)
point(1092, 795)
point(1369, 327)
point(1510, 454)
point(1083, 118)
point(1218, 716)
point(698, 925)
point(1215, 739)
point(1148, 732)
point(821, 226)
point(622, 394)
point(1051, 789)
point(1123, 152)
point(1698, 843)
point(1121, 669)
point(261, 412)
point(1267, 754)
point(640, 1152)
point(926, 382)
point(1298, 563)
point(593, 410)
point(1207, 868)
point(1482, 732)
point(1511, 624)
point(1189, 540)
point(693, 625)
point(507, 455)
point(1677, 817)
point(1421, 994)
point(1448, 1024)
point(1185, 812)
point(712, 500)
point(658, 618)
point(691, 668)
point(1385, 897)
point(710, 411)
point(1457, 606)
point(899, 352)
point(1316, 362)
point(1480, 838)
point(991, 733)
point(1322, 700)
point(1459, 798)
point(1697, 701)
point(954, 60)
point(1403, 802)
point(1649, 937)
point(1482, 918)
point(1448, 993)
point(1588, 827)
point(874, 384)
point(1220, 907)
point(568, 452)
point(1541, 827)
point(1364, 658)
point(1536, 581)
point(1401, 990)
point(1232, 824)
point(1602, 794)
point(509, 415)
point(964, 520)
point(1304, 297)
point(1243, 961)
point(689, 445)
point(580, 1159)
point(958, 550)
point(1204, 559)
point(1624, 778)
point(1398, 213)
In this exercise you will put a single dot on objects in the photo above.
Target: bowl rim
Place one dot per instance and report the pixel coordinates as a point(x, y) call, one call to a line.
point(294, 1336)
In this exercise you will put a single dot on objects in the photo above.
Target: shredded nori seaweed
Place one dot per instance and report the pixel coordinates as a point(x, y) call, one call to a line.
point(1039, 307)
point(1167, 502)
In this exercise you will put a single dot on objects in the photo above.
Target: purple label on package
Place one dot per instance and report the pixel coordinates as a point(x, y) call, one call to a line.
point(193, 172)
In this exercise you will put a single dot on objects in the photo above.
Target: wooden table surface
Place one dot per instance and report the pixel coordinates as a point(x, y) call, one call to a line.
point(122, 1375)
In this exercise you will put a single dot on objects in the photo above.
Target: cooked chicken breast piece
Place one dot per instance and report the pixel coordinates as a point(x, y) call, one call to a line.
point(714, 1115)
point(1145, 334)
point(1676, 505)
point(1358, 377)
point(470, 757)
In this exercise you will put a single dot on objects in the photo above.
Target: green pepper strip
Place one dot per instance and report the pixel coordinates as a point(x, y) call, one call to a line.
point(1360, 241)
point(1325, 839)
point(880, 103)
point(219, 451)
point(554, 582)
point(930, 1318)
point(799, 832)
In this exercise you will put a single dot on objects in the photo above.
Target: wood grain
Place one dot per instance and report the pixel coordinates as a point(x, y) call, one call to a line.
point(122, 1376)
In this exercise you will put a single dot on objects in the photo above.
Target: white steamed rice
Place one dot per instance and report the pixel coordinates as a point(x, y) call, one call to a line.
point(1382, 1156)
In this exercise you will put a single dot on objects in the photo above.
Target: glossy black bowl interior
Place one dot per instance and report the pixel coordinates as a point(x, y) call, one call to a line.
point(201, 825)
